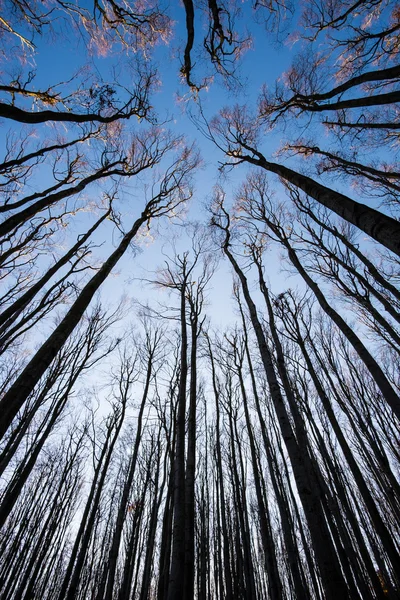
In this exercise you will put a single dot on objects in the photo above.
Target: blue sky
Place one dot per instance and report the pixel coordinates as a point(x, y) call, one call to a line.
point(61, 57)
point(263, 62)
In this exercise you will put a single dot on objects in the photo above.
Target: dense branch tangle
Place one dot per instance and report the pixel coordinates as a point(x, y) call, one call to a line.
point(153, 453)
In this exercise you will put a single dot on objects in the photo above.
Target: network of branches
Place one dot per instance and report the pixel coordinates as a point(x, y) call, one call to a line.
point(149, 450)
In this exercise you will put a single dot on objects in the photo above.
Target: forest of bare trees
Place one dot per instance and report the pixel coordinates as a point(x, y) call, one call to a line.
point(148, 451)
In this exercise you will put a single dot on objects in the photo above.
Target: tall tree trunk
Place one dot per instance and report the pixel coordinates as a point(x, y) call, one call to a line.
point(380, 227)
point(271, 566)
point(19, 391)
point(188, 583)
point(177, 569)
point(381, 380)
point(220, 484)
point(296, 572)
point(331, 575)
point(111, 563)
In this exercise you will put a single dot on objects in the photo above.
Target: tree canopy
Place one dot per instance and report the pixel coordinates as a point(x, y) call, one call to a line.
point(199, 302)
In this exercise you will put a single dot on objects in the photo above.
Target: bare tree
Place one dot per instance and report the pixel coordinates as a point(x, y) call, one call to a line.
point(173, 190)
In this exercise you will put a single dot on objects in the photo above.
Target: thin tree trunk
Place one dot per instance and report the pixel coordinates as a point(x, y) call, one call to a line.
point(19, 391)
point(177, 569)
point(331, 575)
